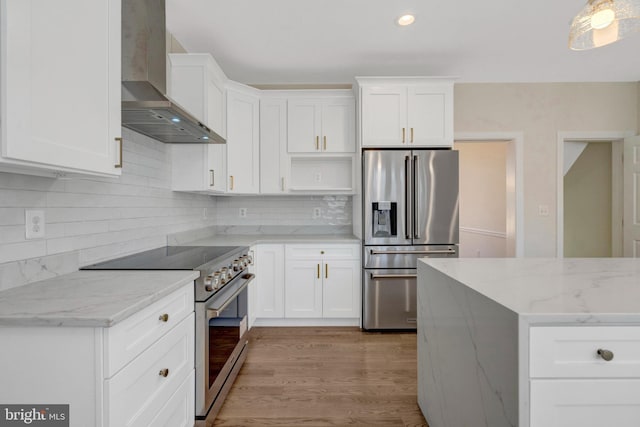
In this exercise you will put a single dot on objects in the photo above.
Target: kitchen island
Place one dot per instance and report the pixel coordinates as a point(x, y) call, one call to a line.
point(529, 342)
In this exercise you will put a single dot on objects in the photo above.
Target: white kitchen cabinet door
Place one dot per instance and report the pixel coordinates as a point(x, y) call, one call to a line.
point(430, 115)
point(274, 166)
point(270, 281)
point(303, 288)
point(384, 115)
point(243, 138)
point(304, 126)
point(61, 101)
point(585, 403)
point(338, 126)
point(196, 82)
point(340, 288)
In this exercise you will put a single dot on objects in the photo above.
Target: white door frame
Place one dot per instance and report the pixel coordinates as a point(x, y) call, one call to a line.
point(613, 136)
point(515, 183)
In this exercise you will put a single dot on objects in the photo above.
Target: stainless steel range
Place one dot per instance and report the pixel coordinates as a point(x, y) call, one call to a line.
point(221, 312)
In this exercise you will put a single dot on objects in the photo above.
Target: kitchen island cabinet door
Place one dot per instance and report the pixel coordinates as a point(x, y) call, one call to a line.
point(243, 139)
point(60, 67)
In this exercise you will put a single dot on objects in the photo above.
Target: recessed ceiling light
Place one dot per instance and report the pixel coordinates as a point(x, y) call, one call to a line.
point(405, 20)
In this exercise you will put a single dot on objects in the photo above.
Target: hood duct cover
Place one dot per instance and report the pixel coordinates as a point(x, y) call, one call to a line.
point(145, 107)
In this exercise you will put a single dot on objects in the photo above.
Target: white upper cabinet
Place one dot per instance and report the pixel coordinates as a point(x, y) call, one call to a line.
point(243, 139)
point(406, 112)
point(274, 162)
point(321, 124)
point(60, 87)
point(197, 83)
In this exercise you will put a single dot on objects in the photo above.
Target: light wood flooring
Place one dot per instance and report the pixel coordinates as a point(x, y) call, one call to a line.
point(325, 377)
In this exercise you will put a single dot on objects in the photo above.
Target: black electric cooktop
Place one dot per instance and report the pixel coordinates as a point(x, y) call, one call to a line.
point(167, 258)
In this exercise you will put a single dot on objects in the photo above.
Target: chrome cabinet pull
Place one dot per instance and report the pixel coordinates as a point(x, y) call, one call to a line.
point(119, 141)
point(164, 317)
point(212, 178)
point(325, 142)
point(403, 137)
point(606, 355)
point(164, 372)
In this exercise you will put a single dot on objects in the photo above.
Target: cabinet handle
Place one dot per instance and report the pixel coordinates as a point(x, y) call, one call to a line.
point(164, 317)
point(212, 178)
point(403, 137)
point(326, 271)
point(231, 177)
point(119, 141)
point(282, 179)
point(318, 271)
point(607, 355)
point(412, 135)
point(324, 141)
point(164, 372)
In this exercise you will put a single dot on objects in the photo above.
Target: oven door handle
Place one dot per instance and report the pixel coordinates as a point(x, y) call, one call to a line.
point(393, 276)
point(212, 313)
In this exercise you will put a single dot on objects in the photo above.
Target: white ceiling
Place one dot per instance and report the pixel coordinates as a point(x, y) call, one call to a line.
point(331, 41)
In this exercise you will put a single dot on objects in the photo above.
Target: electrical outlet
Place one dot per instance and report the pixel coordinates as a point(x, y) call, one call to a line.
point(317, 177)
point(317, 213)
point(34, 224)
point(543, 210)
point(242, 213)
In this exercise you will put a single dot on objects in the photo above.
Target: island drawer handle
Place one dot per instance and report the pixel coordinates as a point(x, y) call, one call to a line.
point(607, 355)
point(164, 372)
point(164, 317)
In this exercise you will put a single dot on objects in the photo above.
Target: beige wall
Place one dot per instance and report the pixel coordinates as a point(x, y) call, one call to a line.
point(540, 111)
point(483, 198)
point(587, 204)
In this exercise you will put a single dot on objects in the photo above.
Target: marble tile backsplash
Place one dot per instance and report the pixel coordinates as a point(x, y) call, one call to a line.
point(93, 219)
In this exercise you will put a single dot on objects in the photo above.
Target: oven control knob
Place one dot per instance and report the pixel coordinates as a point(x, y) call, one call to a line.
point(249, 259)
point(224, 275)
point(208, 288)
point(208, 280)
point(236, 264)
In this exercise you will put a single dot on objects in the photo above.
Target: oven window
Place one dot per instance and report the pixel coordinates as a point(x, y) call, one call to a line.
point(224, 334)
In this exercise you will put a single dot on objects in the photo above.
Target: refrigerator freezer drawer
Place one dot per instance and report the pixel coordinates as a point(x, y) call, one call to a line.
point(405, 256)
point(389, 299)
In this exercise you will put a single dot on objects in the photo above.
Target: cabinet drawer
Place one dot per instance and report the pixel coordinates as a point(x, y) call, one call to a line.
point(572, 352)
point(126, 340)
point(138, 393)
point(179, 410)
point(335, 251)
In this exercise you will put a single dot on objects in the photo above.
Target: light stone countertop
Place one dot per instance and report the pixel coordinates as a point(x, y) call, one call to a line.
point(553, 289)
point(88, 298)
point(253, 239)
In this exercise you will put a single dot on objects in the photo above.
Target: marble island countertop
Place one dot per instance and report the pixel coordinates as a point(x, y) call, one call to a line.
point(88, 298)
point(547, 290)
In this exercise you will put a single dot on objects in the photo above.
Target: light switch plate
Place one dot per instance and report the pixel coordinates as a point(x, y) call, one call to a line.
point(543, 210)
point(317, 213)
point(34, 224)
point(242, 212)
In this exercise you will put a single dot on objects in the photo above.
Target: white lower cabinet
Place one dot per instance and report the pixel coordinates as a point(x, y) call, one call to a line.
point(140, 372)
point(301, 283)
point(584, 376)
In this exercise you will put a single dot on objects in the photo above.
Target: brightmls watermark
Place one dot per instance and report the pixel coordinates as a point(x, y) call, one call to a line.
point(34, 415)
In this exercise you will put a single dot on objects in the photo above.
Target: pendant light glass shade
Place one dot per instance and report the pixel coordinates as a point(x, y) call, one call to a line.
point(602, 22)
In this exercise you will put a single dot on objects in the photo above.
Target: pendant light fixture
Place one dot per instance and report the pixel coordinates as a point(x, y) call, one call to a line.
point(602, 22)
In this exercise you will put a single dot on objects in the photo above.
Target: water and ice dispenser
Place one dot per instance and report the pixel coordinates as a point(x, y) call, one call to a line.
point(384, 219)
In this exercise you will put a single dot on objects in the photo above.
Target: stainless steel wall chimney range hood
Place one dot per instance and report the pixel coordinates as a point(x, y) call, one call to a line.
point(145, 107)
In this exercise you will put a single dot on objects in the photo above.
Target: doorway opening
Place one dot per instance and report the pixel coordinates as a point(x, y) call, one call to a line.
point(491, 199)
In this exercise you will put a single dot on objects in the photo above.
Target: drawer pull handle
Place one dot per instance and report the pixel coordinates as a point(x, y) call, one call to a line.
point(164, 372)
point(164, 317)
point(605, 354)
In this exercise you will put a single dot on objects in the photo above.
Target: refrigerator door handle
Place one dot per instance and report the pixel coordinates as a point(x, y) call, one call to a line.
point(416, 198)
point(407, 233)
point(427, 252)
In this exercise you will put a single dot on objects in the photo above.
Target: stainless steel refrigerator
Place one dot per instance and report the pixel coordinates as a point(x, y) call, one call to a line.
point(410, 211)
